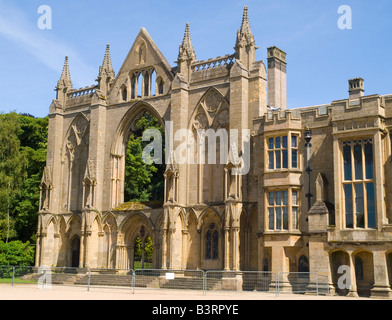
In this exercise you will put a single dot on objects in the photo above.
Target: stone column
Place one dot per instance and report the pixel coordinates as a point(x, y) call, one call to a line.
point(185, 234)
point(236, 249)
point(381, 288)
point(227, 249)
point(353, 280)
point(164, 249)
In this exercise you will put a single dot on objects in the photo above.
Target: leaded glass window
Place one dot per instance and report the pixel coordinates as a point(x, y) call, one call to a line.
point(279, 208)
point(212, 243)
point(278, 152)
point(358, 184)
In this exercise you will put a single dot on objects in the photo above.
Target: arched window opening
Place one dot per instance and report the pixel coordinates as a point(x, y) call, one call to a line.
point(160, 86)
point(358, 269)
point(139, 85)
point(124, 93)
point(212, 243)
point(153, 83)
point(133, 87)
point(142, 181)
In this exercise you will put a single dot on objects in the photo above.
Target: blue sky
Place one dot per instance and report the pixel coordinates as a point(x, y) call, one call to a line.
point(321, 57)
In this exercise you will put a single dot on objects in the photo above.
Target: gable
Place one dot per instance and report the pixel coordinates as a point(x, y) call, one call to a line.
point(144, 55)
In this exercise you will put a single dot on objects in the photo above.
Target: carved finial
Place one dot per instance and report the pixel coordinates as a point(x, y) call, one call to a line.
point(245, 33)
point(107, 67)
point(186, 48)
point(65, 79)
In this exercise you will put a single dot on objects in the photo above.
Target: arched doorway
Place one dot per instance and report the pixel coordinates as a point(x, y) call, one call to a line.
point(364, 272)
point(75, 252)
point(143, 251)
point(339, 259)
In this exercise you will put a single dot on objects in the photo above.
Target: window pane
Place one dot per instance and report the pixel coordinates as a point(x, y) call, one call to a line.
point(271, 198)
point(358, 161)
point(369, 160)
point(285, 198)
point(278, 198)
point(278, 160)
point(270, 160)
point(216, 245)
point(348, 195)
point(277, 143)
point(208, 245)
point(271, 218)
point(359, 206)
point(285, 218)
point(285, 159)
point(294, 197)
point(278, 219)
point(284, 142)
point(294, 158)
point(271, 143)
point(294, 142)
point(371, 207)
point(295, 218)
point(347, 163)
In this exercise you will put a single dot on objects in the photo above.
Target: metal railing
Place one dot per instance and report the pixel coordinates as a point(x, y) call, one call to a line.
point(196, 280)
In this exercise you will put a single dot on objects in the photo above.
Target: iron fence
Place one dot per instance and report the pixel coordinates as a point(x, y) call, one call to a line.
point(197, 280)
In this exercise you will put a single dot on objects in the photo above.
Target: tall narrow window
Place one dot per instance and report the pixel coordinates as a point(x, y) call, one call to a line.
point(358, 184)
point(124, 93)
point(153, 83)
point(160, 86)
point(212, 243)
point(294, 151)
point(294, 199)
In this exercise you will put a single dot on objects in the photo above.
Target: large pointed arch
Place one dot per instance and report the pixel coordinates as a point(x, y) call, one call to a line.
point(119, 147)
point(127, 125)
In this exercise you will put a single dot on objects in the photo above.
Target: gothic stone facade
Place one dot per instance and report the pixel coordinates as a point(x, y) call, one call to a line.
point(211, 219)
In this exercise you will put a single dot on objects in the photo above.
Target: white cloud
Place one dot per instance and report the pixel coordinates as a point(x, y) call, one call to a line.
point(16, 26)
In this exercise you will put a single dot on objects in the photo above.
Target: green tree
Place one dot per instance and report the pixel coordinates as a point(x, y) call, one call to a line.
point(143, 182)
point(33, 140)
point(12, 173)
point(16, 253)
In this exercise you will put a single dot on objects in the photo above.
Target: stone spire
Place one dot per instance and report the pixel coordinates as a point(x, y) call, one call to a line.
point(107, 67)
point(64, 84)
point(186, 48)
point(186, 55)
point(245, 33)
point(65, 79)
point(245, 46)
point(106, 72)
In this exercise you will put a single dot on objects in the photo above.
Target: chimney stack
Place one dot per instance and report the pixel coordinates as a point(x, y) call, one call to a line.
point(356, 88)
point(277, 78)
